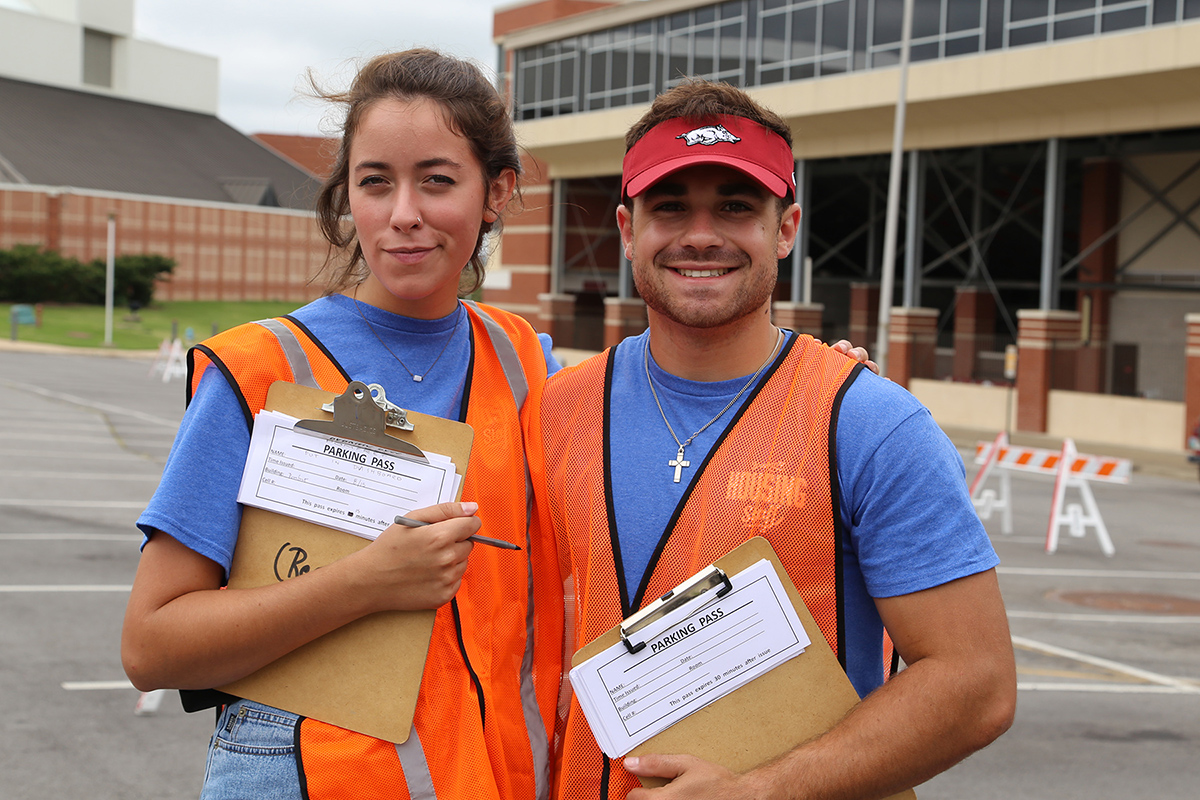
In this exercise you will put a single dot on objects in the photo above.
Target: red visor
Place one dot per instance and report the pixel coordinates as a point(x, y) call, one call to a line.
point(733, 141)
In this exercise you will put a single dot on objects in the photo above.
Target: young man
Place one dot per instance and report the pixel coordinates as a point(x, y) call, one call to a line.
point(714, 426)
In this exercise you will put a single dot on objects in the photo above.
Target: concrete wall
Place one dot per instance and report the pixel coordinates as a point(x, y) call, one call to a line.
point(168, 76)
point(1097, 418)
point(966, 405)
point(25, 41)
point(142, 70)
point(1178, 251)
point(1154, 321)
point(1126, 421)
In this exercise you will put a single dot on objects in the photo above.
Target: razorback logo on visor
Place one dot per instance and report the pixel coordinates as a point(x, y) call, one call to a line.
point(708, 135)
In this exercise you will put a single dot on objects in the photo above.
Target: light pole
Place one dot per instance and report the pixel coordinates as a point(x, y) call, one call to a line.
point(888, 270)
point(109, 277)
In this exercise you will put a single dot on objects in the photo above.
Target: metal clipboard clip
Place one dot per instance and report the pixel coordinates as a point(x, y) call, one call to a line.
point(362, 414)
point(690, 589)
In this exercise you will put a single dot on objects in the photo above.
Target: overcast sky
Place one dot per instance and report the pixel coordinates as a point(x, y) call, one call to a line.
point(264, 46)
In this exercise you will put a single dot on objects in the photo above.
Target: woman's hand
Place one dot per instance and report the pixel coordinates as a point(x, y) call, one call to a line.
point(409, 568)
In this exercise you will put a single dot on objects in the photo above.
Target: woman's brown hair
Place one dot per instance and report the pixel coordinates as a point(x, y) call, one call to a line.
point(474, 110)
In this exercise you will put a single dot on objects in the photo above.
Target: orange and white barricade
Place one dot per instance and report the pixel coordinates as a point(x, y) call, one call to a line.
point(987, 455)
point(148, 702)
point(1071, 470)
point(160, 360)
point(170, 362)
point(1075, 470)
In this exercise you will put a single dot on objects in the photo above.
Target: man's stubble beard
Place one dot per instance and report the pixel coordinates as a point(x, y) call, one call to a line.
point(693, 312)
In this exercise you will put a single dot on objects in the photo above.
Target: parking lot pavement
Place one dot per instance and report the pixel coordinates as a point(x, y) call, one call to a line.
point(1108, 649)
point(82, 444)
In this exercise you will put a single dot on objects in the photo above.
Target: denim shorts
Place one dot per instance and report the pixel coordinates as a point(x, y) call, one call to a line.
point(252, 755)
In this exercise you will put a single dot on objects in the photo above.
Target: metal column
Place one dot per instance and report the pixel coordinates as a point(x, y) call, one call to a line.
point(801, 282)
point(558, 233)
point(888, 272)
point(976, 217)
point(1051, 226)
point(914, 231)
point(624, 275)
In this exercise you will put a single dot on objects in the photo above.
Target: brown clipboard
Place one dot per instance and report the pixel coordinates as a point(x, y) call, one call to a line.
point(765, 718)
point(364, 676)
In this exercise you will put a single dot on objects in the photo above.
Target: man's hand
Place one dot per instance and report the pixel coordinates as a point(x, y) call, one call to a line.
point(690, 777)
point(859, 354)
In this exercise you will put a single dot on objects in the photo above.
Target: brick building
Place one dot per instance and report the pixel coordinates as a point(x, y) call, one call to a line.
point(117, 125)
point(1051, 175)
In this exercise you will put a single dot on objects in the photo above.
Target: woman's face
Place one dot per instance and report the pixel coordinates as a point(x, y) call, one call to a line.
point(418, 198)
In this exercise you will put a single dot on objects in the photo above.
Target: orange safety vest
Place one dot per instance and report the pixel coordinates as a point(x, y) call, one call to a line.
point(768, 475)
point(486, 706)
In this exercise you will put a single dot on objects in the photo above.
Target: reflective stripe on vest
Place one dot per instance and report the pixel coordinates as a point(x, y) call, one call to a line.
point(293, 351)
point(411, 754)
point(770, 475)
point(514, 373)
point(509, 361)
point(416, 768)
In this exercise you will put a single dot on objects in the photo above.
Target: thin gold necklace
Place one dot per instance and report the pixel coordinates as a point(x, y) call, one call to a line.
point(416, 378)
point(678, 463)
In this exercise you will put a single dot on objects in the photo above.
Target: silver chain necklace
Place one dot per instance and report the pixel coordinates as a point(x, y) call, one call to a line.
point(678, 463)
point(416, 378)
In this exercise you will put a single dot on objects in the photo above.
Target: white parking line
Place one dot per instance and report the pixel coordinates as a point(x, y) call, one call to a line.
point(63, 454)
point(55, 503)
point(79, 537)
point(80, 476)
point(82, 401)
point(66, 587)
point(1138, 619)
point(1050, 572)
point(1119, 688)
point(1179, 686)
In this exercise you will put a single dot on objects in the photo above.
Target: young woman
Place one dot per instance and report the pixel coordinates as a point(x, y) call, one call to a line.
point(427, 164)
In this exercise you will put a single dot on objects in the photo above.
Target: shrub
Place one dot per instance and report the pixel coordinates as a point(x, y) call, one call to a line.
point(29, 274)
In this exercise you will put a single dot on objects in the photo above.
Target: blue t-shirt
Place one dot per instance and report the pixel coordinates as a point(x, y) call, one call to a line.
point(196, 501)
point(903, 492)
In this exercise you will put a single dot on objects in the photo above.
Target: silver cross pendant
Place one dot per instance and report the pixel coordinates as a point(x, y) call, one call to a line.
point(678, 463)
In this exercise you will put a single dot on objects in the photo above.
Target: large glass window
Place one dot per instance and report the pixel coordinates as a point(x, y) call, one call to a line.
point(759, 42)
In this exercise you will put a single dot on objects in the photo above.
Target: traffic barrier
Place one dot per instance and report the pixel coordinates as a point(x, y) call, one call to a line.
point(987, 455)
point(1071, 470)
point(160, 360)
point(148, 702)
point(170, 361)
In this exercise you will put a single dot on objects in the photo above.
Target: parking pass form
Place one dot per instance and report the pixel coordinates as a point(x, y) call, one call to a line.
point(338, 483)
point(693, 656)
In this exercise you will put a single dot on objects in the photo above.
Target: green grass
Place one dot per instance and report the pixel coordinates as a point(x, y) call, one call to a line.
point(83, 326)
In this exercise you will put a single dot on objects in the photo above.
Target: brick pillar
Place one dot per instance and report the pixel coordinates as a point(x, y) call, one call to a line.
point(1047, 343)
point(623, 317)
point(799, 317)
point(912, 343)
point(556, 316)
point(974, 328)
point(54, 204)
point(864, 314)
point(1191, 386)
point(1100, 211)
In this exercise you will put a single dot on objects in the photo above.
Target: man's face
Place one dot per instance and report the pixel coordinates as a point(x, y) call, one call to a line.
point(704, 243)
